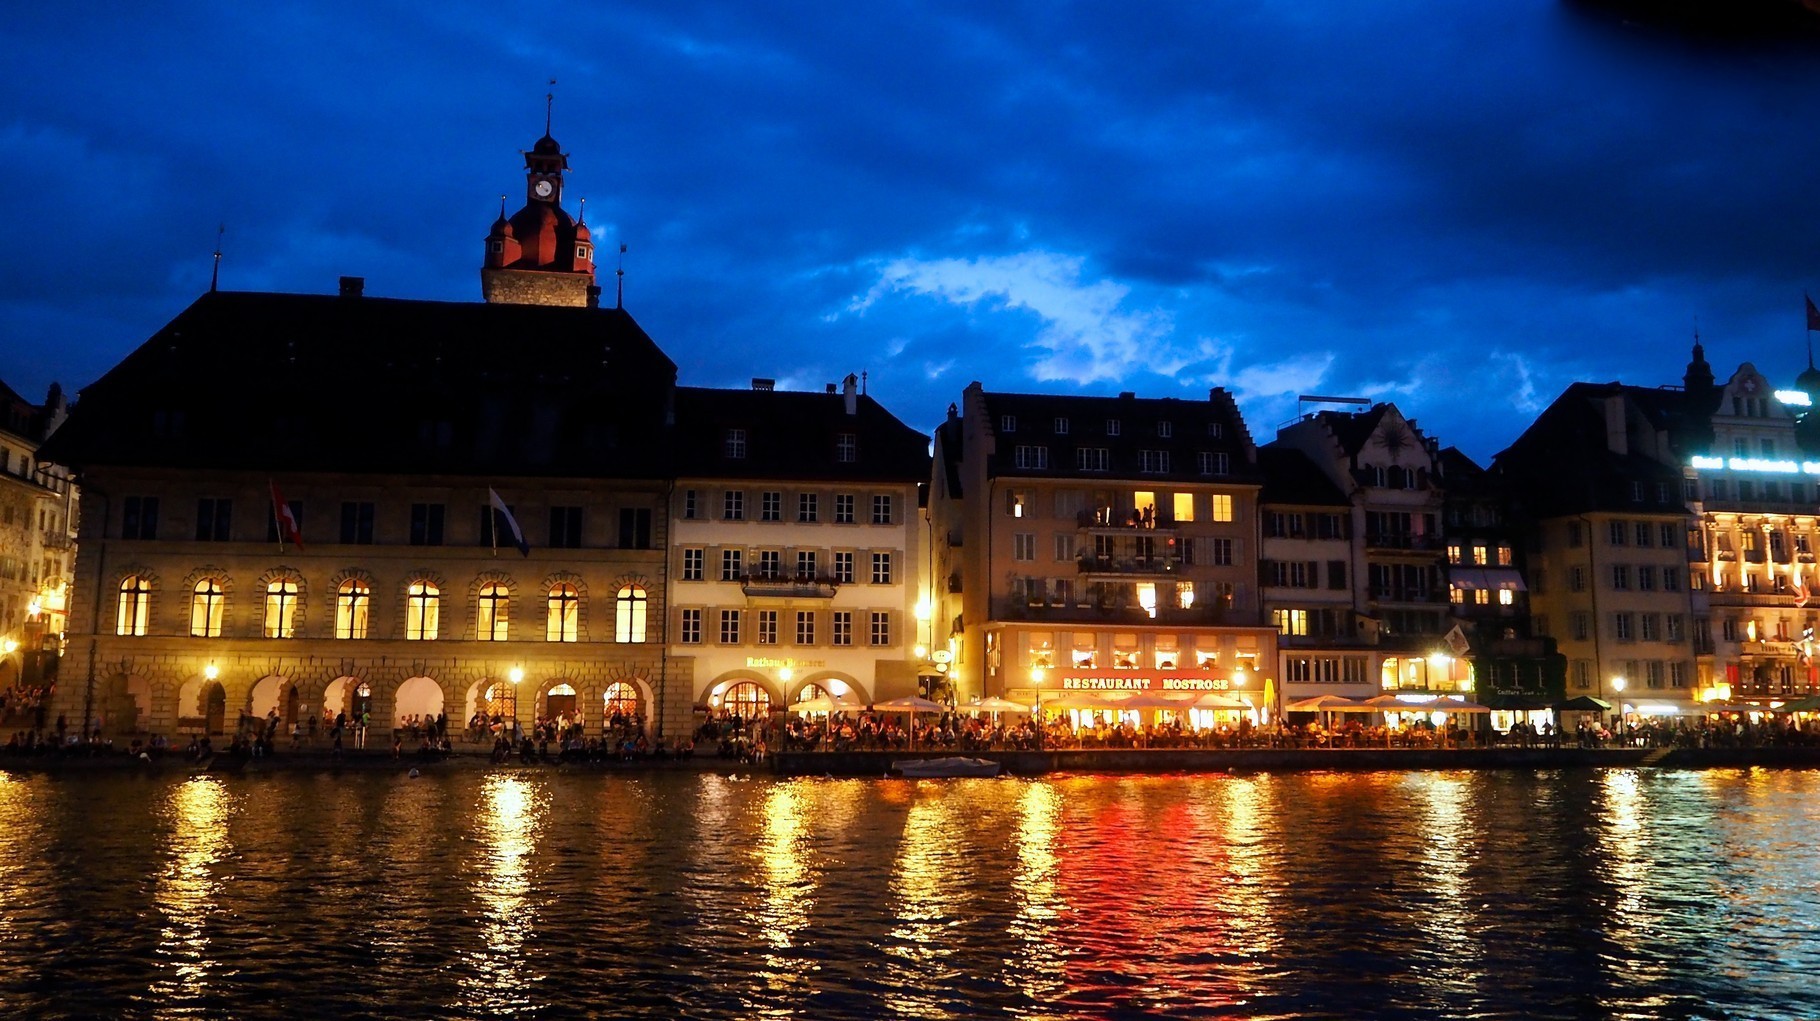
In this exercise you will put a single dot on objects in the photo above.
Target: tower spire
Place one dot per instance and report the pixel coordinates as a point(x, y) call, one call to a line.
point(619, 299)
point(549, 105)
point(215, 277)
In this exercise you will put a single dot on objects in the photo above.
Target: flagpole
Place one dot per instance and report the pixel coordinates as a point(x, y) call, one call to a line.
point(271, 490)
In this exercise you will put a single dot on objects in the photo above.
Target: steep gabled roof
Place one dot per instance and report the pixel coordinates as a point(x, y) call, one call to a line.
point(794, 435)
point(1290, 478)
point(299, 382)
point(1565, 462)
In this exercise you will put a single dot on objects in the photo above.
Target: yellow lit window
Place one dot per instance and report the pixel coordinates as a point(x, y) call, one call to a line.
point(1222, 507)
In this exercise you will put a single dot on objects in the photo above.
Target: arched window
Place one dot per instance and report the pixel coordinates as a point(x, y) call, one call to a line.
point(422, 606)
point(495, 600)
point(622, 702)
point(135, 606)
point(281, 608)
point(206, 605)
point(745, 700)
point(500, 701)
point(353, 601)
point(630, 620)
point(565, 612)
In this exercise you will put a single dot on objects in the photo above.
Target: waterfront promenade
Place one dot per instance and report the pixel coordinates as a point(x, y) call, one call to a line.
point(875, 762)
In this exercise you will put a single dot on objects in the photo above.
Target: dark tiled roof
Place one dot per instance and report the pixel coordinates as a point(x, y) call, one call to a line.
point(1138, 419)
point(793, 435)
point(330, 383)
point(1352, 429)
point(1291, 478)
point(1563, 463)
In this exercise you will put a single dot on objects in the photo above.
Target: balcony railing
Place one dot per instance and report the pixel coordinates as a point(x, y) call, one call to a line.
point(788, 586)
point(1401, 540)
point(1151, 565)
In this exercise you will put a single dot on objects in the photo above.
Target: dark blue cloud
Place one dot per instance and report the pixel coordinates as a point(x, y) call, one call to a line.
point(1412, 203)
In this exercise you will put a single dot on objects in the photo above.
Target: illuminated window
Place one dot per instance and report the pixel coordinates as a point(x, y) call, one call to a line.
point(422, 607)
point(206, 605)
point(135, 606)
point(353, 602)
point(1183, 507)
point(1507, 597)
point(1291, 622)
point(281, 609)
point(1222, 507)
point(495, 604)
point(562, 613)
point(1481, 554)
point(622, 702)
point(629, 615)
point(747, 701)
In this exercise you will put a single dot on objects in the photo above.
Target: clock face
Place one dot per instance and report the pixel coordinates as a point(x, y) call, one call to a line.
point(543, 189)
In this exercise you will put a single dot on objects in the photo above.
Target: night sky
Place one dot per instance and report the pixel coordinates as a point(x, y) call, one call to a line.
point(1460, 207)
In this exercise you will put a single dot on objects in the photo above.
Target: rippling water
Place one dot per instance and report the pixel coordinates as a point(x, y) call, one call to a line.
point(1573, 894)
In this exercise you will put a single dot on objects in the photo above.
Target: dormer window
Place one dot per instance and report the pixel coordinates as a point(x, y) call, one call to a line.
point(1007, 423)
point(846, 447)
point(1112, 427)
point(1061, 427)
point(1165, 429)
point(496, 247)
point(736, 444)
point(581, 251)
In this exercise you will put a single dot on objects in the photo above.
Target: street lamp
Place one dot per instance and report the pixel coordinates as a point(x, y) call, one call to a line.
point(211, 671)
point(1036, 680)
point(1617, 685)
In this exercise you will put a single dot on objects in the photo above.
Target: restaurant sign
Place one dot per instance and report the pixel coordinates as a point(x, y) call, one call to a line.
point(1142, 682)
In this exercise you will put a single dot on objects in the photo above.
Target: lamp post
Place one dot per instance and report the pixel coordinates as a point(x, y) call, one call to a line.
point(1617, 685)
point(1036, 680)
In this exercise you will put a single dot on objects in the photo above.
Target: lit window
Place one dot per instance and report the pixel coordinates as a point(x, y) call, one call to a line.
point(422, 607)
point(353, 603)
point(495, 604)
point(281, 609)
point(206, 605)
point(1222, 507)
point(562, 613)
point(135, 606)
point(629, 618)
point(622, 702)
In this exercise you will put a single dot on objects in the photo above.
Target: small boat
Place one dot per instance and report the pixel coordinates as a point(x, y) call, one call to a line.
point(951, 766)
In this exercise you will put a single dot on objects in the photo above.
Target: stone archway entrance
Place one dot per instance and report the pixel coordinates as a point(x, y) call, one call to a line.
point(214, 708)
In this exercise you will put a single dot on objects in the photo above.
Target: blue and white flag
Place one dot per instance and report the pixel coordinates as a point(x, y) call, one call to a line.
point(503, 515)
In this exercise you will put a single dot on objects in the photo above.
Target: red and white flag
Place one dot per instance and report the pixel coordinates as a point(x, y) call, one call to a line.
point(287, 521)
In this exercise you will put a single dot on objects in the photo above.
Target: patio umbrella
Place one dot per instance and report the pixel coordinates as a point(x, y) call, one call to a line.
point(996, 705)
point(1453, 705)
point(1583, 704)
point(1321, 704)
point(1078, 700)
point(1149, 700)
point(909, 704)
point(818, 704)
point(1215, 700)
point(1810, 704)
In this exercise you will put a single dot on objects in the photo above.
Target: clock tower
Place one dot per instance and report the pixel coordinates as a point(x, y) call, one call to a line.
point(540, 255)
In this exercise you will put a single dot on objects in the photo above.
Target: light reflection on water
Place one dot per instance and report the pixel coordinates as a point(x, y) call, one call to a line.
point(197, 812)
point(497, 976)
point(1616, 894)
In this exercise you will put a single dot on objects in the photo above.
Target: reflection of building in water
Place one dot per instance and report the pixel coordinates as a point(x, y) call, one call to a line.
point(1097, 543)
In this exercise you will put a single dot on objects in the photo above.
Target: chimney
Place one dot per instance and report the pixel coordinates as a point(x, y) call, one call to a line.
point(353, 287)
point(850, 392)
point(760, 383)
point(1128, 395)
point(1616, 436)
point(832, 389)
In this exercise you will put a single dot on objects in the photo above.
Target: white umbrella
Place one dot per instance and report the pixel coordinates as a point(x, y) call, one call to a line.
point(818, 704)
point(909, 704)
point(1215, 700)
point(996, 705)
point(1323, 703)
point(1452, 705)
point(1078, 700)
